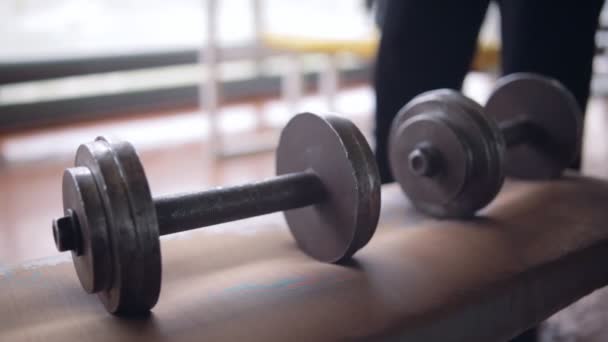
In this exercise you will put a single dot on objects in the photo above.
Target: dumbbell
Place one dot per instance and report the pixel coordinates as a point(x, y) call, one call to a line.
point(327, 185)
point(450, 156)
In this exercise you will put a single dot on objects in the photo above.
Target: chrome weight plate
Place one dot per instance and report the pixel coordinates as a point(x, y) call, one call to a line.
point(550, 107)
point(92, 254)
point(446, 155)
point(133, 237)
point(336, 151)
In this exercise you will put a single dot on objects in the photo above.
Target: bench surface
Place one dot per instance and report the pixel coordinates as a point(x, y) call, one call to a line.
point(536, 249)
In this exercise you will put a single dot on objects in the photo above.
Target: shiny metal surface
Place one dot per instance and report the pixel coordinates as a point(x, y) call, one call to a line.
point(134, 285)
point(335, 150)
point(552, 110)
point(467, 155)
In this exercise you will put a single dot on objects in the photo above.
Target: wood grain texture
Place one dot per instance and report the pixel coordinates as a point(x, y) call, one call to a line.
point(536, 249)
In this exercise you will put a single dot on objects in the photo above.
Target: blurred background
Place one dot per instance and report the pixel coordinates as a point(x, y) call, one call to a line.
point(200, 87)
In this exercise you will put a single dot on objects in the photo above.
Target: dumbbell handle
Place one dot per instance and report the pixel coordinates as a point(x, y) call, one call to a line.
point(519, 131)
point(181, 212)
point(425, 162)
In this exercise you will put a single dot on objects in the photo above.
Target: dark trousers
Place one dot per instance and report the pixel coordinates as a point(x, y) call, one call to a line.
point(430, 44)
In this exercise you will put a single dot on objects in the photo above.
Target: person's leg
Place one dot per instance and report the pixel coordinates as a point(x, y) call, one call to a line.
point(551, 37)
point(425, 45)
point(380, 9)
point(554, 38)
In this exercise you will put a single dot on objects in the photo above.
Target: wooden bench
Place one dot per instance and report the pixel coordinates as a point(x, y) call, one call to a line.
point(536, 249)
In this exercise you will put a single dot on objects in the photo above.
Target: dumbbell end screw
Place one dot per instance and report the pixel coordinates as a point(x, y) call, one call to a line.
point(423, 161)
point(65, 233)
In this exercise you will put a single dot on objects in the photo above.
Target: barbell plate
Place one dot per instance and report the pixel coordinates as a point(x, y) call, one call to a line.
point(93, 257)
point(469, 150)
point(133, 228)
point(334, 149)
point(550, 106)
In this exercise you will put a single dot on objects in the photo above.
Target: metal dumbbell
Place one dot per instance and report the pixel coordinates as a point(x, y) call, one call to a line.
point(328, 185)
point(450, 156)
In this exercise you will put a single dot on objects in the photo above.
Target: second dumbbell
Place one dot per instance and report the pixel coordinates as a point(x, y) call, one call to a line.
point(450, 156)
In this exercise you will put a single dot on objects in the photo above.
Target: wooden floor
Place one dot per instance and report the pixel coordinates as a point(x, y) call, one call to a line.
point(30, 191)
